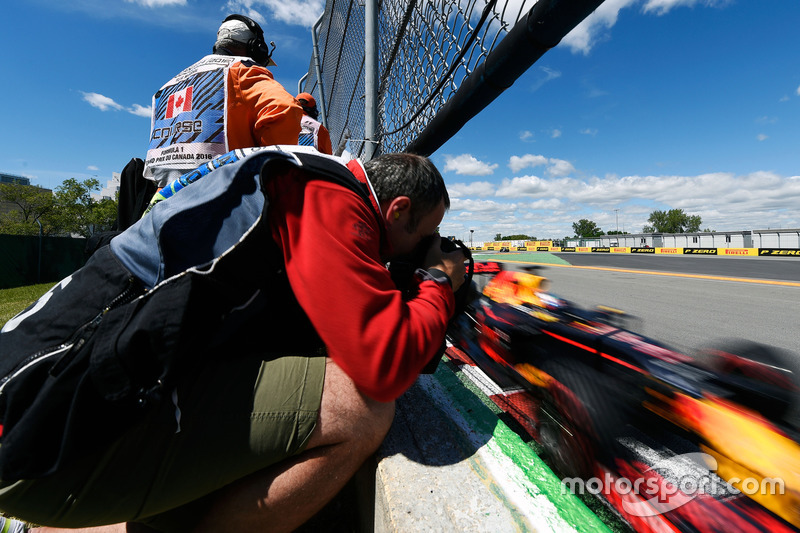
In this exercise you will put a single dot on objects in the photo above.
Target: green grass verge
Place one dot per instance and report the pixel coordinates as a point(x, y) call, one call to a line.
point(521, 257)
point(12, 301)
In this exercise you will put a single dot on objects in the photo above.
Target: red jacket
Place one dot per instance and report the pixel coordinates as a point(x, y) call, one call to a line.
point(331, 245)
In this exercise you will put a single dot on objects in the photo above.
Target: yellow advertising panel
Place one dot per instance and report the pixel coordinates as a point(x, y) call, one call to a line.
point(737, 251)
point(669, 251)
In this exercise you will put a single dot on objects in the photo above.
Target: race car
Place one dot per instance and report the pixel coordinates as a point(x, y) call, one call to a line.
point(608, 403)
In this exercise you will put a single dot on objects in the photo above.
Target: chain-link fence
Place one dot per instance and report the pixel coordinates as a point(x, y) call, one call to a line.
point(426, 50)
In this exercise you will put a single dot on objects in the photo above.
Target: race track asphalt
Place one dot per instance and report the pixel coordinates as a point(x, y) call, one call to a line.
point(687, 302)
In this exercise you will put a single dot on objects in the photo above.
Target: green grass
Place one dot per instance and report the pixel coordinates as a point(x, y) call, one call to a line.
point(12, 301)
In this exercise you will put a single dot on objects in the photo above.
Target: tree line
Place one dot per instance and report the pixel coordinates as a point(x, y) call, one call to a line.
point(68, 211)
point(672, 221)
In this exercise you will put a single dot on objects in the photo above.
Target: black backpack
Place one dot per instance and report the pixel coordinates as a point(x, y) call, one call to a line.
point(85, 361)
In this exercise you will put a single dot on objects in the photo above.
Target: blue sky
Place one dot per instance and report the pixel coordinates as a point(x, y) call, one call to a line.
point(650, 104)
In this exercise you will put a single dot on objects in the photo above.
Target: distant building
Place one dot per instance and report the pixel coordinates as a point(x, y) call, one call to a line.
point(762, 238)
point(13, 178)
point(111, 188)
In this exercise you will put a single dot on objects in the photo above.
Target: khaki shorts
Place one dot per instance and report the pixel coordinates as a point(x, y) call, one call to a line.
point(235, 417)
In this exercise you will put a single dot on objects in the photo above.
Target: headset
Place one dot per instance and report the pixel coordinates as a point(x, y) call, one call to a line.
point(256, 47)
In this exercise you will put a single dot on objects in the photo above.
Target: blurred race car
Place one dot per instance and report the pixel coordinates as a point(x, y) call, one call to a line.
point(698, 443)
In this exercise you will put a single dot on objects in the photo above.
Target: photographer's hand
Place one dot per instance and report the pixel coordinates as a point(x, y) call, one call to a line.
point(451, 263)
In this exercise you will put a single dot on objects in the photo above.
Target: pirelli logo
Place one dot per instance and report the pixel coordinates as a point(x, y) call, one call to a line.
point(738, 251)
point(788, 252)
point(706, 251)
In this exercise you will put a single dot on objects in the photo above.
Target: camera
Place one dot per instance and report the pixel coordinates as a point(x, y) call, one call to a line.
point(402, 272)
point(402, 269)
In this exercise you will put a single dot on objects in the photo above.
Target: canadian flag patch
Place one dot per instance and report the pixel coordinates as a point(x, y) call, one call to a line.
point(179, 102)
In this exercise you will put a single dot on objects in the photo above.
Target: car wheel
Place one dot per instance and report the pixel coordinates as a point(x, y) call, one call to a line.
point(581, 419)
point(568, 451)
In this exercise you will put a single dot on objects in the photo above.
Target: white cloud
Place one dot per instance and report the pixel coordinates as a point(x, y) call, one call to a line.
point(92, 167)
point(157, 3)
point(547, 75)
point(594, 28)
point(517, 163)
point(555, 167)
point(524, 186)
point(103, 103)
point(548, 204)
point(584, 36)
point(297, 12)
point(526, 136)
point(479, 188)
point(468, 165)
point(661, 7)
point(725, 202)
point(141, 111)
point(762, 137)
point(798, 90)
point(469, 207)
point(559, 168)
point(555, 134)
point(588, 131)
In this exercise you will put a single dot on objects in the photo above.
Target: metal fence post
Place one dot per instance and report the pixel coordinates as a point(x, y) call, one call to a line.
point(371, 79)
point(318, 68)
point(39, 263)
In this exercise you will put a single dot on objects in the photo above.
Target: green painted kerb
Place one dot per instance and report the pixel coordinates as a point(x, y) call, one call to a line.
point(505, 441)
point(522, 257)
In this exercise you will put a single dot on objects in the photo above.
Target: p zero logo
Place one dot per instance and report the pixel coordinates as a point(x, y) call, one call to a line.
point(567, 248)
point(602, 249)
point(790, 252)
point(542, 248)
point(643, 250)
point(707, 251)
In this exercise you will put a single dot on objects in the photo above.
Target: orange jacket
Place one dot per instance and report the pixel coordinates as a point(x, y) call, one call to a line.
point(260, 111)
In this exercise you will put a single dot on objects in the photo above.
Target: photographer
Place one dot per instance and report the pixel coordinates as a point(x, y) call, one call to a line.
point(262, 436)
